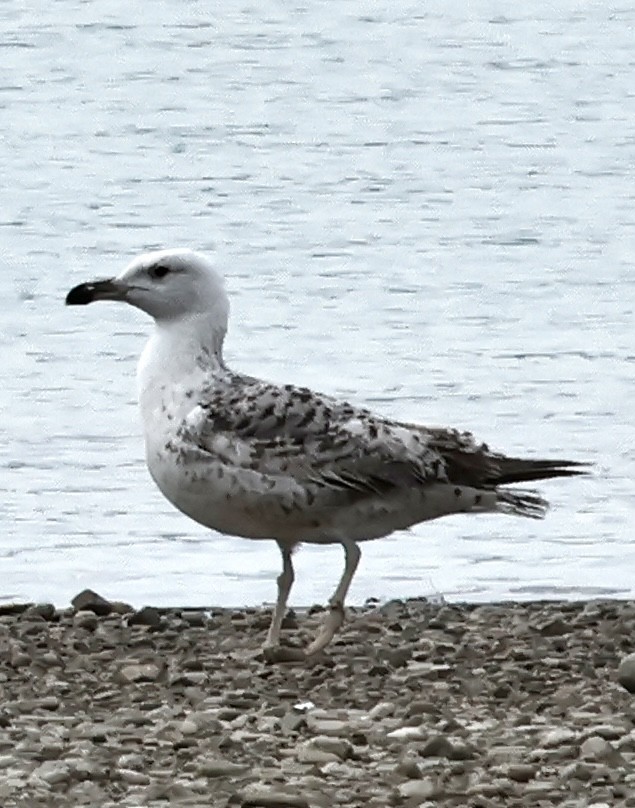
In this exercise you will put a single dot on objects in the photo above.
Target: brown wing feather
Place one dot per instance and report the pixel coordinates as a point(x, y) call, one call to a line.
point(469, 463)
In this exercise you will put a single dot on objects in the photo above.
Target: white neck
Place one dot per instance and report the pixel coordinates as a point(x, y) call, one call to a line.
point(181, 357)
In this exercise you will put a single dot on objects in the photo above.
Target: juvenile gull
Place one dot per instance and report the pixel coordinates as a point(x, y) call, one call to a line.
point(254, 459)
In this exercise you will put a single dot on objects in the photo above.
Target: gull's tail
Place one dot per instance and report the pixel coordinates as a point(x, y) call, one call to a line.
point(517, 470)
point(522, 502)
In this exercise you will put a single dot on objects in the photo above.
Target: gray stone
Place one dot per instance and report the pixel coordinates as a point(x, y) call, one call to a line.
point(553, 627)
point(406, 734)
point(219, 767)
point(558, 737)
point(283, 653)
point(131, 761)
point(188, 727)
point(86, 619)
point(51, 772)
point(570, 771)
point(396, 657)
point(420, 707)
point(49, 659)
point(207, 721)
point(521, 772)
point(382, 710)
point(146, 672)
point(260, 796)
point(187, 678)
point(87, 600)
point(95, 732)
point(120, 607)
point(437, 746)
point(44, 610)
point(307, 752)
point(83, 769)
point(148, 616)
point(626, 673)
point(421, 789)
point(133, 778)
point(579, 771)
point(48, 703)
point(408, 767)
point(18, 657)
point(340, 747)
point(292, 721)
point(195, 619)
point(50, 749)
point(497, 787)
point(597, 748)
point(610, 732)
point(327, 726)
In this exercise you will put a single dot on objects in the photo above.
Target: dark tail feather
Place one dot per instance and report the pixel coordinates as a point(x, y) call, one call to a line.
point(516, 470)
point(522, 503)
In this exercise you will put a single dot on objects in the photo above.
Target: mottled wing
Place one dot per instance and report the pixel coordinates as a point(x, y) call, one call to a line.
point(466, 462)
point(318, 441)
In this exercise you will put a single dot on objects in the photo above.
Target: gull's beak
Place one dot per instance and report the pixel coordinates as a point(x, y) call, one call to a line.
point(111, 289)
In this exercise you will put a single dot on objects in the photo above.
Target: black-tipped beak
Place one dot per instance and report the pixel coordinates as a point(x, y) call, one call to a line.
point(85, 293)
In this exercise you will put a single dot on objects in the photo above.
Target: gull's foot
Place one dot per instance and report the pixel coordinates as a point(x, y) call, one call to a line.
point(330, 626)
point(282, 653)
point(273, 652)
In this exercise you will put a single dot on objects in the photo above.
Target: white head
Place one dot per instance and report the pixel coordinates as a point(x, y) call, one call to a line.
point(170, 285)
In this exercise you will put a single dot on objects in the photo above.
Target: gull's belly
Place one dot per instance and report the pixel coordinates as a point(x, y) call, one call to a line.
point(219, 497)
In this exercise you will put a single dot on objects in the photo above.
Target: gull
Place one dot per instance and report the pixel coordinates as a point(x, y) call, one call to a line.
point(262, 461)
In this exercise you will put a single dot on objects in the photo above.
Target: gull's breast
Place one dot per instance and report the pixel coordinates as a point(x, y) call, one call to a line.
point(230, 499)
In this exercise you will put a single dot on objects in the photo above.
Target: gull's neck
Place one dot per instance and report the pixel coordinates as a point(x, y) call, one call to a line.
point(181, 358)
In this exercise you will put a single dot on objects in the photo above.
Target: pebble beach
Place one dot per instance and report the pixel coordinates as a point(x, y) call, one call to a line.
point(413, 704)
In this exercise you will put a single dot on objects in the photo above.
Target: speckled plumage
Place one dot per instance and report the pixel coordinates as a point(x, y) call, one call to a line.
point(253, 459)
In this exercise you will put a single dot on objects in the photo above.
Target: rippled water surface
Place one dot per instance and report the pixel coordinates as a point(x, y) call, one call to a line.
point(425, 208)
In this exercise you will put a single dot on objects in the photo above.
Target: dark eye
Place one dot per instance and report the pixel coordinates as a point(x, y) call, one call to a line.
point(159, 271)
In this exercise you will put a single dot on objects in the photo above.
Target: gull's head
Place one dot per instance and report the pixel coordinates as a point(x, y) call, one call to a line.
point(169, 285)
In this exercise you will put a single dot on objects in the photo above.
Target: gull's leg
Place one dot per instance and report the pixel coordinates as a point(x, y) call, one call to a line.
point(285, 582)
point(335, 617)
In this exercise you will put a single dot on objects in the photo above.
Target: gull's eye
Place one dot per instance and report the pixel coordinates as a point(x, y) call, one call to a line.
point(158, 271)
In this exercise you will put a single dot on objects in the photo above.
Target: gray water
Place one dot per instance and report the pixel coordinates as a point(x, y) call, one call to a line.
point(430, 210)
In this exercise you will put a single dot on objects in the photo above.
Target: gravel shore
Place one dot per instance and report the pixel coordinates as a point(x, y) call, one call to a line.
point(414, 704)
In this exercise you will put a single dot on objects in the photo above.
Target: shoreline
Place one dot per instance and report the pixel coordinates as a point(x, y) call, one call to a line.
point(9, 606)
point(413, 704)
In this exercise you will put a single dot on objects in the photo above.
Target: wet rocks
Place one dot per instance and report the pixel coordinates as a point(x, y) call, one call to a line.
point(415, 704)
point(44, 611)
point(148, 616)
point(87, 600)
